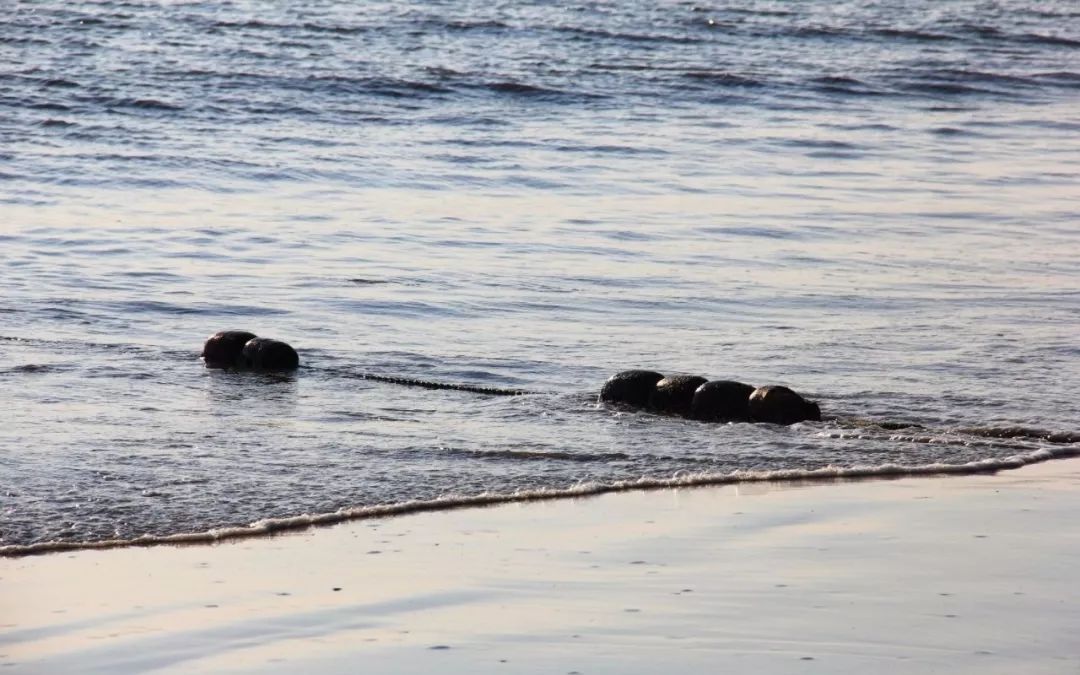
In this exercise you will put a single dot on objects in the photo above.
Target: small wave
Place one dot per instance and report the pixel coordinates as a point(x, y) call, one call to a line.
point(748, 231)
point(475, 25)
point(384, 86)
point(253, 24)
point(538, 455)
point(820, 31)
point(945, 89)
point(142, 274)
point(1024, 432)
point(818, 144)
point(723, 78)
point(740, 11)
point(1061, 78)
point(574, 457)
point(258, 25)
point(917, 433)
point(849, 86)
point(1052, 40)
point(310, 84)
point(916, 35)
point(599, 33)
point(30, 368)
point(964, 75)
point(367, 282)
point(522, 89)
point(980, 31)
point(925, 439)
point(50, 106)
point(145, 104)
point(156, 307)
point(610, 149)
point(837, 80)
point(335, 30)
point(952, 131)
point(20, 40)
point(269, 526)
point(60, 82)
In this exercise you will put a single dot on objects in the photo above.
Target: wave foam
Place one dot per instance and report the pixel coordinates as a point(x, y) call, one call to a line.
point(274, 525)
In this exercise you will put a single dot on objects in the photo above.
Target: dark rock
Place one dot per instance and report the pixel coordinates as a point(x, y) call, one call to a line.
point(675, 394)
point(225, 349)
point(780, 405)
point(633, 387)
point(722, 401)
point(267, 354)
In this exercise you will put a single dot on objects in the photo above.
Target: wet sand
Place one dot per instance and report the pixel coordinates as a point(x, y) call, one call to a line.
point(916, 575)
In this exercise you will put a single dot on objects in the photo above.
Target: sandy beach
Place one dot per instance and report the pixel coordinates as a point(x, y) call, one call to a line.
point(917, 575)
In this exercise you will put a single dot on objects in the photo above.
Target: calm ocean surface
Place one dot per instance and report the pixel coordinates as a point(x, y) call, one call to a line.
point(875, 203)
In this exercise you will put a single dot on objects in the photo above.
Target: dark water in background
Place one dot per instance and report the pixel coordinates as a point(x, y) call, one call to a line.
point(873, 202)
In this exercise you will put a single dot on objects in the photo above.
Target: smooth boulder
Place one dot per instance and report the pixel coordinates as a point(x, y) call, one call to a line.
point(780, 405)
point(632, 387)
point(270, 355)
point(722, 401)
point(675, 394)
point(225, 349)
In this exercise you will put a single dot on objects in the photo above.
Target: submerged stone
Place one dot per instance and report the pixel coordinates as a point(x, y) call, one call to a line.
point(225, 349)
point(266, 354)
point(722, 401)
point(675, 394)
point(633, 387)
point(780, 405)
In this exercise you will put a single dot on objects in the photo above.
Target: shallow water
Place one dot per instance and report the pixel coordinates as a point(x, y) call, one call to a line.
point(873, 203)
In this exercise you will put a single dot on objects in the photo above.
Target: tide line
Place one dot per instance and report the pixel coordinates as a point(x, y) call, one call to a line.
point(271, 526)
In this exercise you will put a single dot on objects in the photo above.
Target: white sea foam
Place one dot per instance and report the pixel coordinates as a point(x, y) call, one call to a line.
point(270, 526)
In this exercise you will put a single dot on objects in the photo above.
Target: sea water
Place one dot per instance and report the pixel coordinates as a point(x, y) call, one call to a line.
point(873, 202)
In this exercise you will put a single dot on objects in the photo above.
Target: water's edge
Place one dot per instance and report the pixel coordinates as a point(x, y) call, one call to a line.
point(271, 526)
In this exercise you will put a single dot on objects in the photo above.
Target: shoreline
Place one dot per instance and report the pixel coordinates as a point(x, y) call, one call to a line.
point(274, 526)
point(910, 574)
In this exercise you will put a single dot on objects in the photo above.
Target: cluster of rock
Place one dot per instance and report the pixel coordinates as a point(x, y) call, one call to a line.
point(241, 350)
point(716, 401)
point(686, 395)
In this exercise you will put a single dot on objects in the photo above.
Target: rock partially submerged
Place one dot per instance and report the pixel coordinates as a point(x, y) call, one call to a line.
point(266, 354)
point(722, 401)
point(242, 350)
point(780, 405)
point(675, 394)
point(226, 349)
point(711, 401)
point(632, 387)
